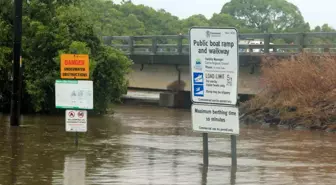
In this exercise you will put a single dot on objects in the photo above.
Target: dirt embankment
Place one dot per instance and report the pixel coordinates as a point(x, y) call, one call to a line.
point(300, 93)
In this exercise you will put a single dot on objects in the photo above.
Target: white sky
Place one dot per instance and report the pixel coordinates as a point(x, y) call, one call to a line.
point(316, 12)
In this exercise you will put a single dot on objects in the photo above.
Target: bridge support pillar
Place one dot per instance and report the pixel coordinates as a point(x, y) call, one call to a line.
point(175, 99)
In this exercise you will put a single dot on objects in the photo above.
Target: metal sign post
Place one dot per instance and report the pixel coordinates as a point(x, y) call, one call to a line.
point(214, 63)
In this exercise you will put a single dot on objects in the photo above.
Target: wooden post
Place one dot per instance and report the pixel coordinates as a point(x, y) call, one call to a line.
point(130, 45)
point(179, 44)
point(326, 50)
point(267, 40)
point(107, 40)
point(301, 41)
point(154, 45)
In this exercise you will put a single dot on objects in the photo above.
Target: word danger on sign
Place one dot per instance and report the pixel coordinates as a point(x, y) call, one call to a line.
point(216, 119)
point(74, 66)
point(214, 65)
point(76, 120)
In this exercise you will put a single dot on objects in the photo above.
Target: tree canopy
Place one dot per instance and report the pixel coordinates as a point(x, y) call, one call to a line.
point(51, 28)
point(267, 15)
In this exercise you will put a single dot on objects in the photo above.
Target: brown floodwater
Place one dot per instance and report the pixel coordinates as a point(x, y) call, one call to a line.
point(150, 145)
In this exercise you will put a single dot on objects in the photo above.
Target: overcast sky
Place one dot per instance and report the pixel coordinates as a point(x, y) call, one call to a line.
point(316, 12)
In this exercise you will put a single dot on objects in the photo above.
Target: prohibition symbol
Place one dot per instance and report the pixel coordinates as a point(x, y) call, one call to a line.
point(71, 114)
point(80, 114)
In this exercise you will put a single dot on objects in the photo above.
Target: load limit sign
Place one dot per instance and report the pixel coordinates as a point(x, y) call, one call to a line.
point(214, 65)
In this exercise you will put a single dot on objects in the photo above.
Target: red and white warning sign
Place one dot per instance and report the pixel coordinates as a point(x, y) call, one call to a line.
point(71, 114)
point(76, 120)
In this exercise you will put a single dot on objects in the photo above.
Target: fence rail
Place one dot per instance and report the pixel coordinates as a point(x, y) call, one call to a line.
point(315, 42)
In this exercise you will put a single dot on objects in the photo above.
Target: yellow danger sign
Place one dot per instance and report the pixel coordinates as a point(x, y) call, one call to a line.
point(74, 66)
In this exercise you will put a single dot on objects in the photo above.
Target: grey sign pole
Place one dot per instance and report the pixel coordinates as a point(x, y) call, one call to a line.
point(233, 150)
point(205, 150)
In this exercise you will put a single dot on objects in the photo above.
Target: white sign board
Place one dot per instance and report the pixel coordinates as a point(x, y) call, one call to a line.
point(214, 65)
point(74, 94)
point(76, 120)
point(214, 118)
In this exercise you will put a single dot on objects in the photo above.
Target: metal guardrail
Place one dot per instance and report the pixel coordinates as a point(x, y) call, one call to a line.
point(178, 44)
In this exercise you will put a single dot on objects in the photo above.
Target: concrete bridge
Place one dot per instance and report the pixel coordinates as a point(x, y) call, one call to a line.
point(162, 62)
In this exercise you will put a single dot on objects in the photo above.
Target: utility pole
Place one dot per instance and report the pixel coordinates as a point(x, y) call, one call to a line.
point(16, 88)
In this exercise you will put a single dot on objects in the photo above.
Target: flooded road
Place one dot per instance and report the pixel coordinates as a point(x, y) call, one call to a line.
point(150, 145)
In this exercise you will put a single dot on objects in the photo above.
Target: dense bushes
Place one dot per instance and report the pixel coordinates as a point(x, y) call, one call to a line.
point(43, 41)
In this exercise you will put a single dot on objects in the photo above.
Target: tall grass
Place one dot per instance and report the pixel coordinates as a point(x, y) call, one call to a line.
point(301, 80)
point(305, 81)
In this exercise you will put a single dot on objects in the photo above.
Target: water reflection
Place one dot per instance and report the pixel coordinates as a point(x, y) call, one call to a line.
point(74, 170)
point(145, 145)
point(16, 154)
point(204, 172)
point(233, 175)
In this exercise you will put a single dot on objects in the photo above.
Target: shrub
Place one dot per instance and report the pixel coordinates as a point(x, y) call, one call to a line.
point(49, 32)
point(109, 77)
point(300, 80)
point(306, 81)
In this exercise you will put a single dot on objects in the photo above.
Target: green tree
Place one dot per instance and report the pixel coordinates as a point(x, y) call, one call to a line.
point(322, 40)
point(194, 20)
point(225, 20)
point(155, 22)
point(6, 40)
point(51, 28)
point(327, 28)
point(109, 77)
point(267, 15)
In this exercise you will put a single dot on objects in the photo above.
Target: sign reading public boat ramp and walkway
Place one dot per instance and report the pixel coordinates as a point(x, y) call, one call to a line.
point(214, 64)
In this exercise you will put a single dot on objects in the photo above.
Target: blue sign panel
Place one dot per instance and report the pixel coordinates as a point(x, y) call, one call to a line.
point(198, 78)
point(199, 90)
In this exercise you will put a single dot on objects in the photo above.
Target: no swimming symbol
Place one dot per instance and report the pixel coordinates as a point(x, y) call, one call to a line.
point(80, 114)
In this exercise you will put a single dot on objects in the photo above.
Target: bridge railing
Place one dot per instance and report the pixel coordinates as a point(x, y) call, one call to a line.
point(249, 44)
